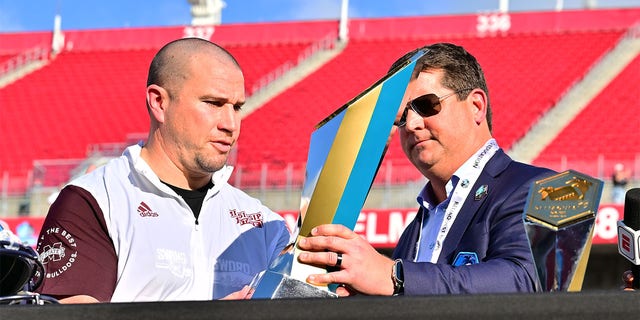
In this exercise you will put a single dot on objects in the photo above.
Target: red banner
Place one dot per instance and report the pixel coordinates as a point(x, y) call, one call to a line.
point(381, 227)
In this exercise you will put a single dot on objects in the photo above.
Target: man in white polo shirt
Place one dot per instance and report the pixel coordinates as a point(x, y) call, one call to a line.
point(161, 222)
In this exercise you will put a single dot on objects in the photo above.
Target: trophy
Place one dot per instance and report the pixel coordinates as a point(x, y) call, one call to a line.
point(345, 152)
point(559, 220)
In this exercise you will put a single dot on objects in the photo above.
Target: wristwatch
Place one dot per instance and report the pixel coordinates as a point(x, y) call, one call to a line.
point(397, 276)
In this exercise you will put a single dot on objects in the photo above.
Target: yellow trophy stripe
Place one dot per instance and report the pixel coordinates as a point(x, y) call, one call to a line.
point(575, 284)
point(340, 161)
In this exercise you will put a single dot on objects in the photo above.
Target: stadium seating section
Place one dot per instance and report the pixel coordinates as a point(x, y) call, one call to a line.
point(609, 125)
point(522, 72)
point(86, 97)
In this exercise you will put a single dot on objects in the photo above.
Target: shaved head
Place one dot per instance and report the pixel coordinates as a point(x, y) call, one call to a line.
point(172, 64)
point(195, 91)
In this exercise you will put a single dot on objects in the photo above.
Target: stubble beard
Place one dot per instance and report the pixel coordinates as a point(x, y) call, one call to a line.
point(210, 164)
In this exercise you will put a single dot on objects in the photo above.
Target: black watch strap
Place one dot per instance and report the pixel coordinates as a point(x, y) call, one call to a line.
point(397, 276)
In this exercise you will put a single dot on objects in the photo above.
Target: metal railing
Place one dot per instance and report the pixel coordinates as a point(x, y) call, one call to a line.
point(269, 181)
point(22, 59)
point(326, 42)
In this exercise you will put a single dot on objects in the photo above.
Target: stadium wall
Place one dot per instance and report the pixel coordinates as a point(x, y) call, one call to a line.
point(483, 23)
point(493, 23)
point(380, 227)
point(156, 37)
point(383, 227)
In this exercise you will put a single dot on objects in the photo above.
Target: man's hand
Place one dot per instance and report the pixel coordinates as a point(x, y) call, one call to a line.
point(362, 268)
point(243, 294)
point(77, 299)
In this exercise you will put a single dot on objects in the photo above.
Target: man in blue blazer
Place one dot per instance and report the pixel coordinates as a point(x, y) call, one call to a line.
point(488, 230)
point(469, 234)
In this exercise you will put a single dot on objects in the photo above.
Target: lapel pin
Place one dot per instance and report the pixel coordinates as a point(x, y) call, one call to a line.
point(465, 259)
point(481, 192)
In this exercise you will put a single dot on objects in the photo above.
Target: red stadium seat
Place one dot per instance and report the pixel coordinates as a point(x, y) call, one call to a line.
point(93, 96)
point(83, 98)
point(606, 131)
point(526, 73)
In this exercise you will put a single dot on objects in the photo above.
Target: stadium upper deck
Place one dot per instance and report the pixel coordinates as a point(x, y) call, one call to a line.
point(92, 91)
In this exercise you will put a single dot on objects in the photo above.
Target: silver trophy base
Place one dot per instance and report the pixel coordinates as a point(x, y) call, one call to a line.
point(273, 285)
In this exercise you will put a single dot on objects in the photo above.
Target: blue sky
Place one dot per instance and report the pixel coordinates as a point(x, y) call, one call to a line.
point(20, 15)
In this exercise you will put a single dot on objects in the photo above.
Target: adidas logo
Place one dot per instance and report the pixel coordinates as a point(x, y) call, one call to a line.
point(145, 211)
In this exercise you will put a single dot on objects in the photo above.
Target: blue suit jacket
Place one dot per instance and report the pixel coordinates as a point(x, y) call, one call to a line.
point(492, 227)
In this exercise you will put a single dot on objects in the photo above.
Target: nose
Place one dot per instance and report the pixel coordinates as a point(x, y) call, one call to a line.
point(414, 120)
point(229, 118)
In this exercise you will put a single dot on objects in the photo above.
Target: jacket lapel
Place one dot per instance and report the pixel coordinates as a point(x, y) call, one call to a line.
point(477, 196)
point(407, 245)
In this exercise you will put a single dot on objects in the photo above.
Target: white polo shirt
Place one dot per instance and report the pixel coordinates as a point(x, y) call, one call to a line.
point(162, 252)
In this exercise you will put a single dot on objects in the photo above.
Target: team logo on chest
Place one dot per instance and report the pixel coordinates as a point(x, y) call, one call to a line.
point(243, 218)
point(54, 252)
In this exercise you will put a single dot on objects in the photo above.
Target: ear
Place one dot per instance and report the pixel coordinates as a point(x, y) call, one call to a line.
point(479, 100)
point(157, 100)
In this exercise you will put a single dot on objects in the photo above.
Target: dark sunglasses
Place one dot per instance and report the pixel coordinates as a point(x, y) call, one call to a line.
point(426, 105)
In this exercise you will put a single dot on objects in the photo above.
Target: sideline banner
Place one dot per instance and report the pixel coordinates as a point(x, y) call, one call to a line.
point(381, 227)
